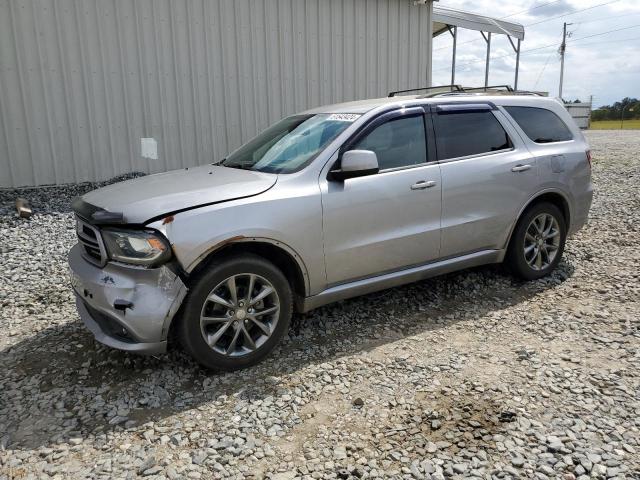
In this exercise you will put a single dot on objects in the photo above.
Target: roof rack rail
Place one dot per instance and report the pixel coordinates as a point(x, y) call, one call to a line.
point(508, 88)
point(460, 90)
point(493, 90)
point(453, 88)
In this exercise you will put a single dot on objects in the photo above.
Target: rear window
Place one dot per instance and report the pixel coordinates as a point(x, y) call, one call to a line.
point(460, 134)
point(540, 125)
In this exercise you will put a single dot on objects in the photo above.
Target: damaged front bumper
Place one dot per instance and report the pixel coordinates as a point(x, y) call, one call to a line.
point(126, 307)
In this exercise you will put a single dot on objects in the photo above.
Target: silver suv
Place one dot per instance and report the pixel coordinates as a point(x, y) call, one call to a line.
point(332, 203)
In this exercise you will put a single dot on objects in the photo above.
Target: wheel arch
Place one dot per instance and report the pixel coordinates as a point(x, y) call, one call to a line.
point(280, 254)
point(555, 197)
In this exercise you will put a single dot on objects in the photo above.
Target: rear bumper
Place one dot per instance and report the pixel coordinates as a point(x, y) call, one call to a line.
point(581, 211)
point(154, 296)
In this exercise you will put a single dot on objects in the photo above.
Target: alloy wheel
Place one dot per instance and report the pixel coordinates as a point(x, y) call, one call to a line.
point(240, 314)
point(541, 241)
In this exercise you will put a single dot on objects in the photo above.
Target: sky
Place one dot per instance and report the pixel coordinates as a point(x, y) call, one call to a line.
point(606, 66)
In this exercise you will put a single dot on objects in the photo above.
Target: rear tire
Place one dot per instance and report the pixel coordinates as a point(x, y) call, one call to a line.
point(538, 242)
point(236, 313)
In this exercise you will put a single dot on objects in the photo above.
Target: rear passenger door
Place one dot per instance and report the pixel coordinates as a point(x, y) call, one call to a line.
point(487, 176)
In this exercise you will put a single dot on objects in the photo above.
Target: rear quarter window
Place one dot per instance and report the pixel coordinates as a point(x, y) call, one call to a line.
point(540, 125)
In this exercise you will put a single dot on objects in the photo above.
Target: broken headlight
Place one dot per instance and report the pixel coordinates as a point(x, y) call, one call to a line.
point(138, 247)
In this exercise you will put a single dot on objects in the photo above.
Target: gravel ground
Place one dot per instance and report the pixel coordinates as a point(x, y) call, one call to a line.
point(470, 375)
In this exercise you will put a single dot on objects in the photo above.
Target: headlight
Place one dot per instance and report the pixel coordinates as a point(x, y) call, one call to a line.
point(139, 247)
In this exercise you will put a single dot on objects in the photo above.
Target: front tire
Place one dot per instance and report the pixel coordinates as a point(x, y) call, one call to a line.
point(538, 242)
point(236, 313)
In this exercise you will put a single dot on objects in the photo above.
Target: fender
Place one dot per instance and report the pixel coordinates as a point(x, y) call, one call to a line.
point(242, 239)
point(533, 199)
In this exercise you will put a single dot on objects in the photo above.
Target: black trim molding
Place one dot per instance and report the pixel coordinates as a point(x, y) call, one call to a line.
point(96, 215)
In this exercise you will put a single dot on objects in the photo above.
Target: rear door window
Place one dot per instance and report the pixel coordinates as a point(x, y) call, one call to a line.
point(460, 134)
point(540, 125)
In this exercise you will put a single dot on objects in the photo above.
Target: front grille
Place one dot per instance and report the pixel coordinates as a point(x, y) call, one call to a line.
point(92, 247)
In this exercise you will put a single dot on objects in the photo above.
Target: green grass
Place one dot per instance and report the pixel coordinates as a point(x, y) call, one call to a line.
point(615, 125)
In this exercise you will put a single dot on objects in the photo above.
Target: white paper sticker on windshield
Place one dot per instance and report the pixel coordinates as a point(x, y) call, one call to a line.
point(345, 117)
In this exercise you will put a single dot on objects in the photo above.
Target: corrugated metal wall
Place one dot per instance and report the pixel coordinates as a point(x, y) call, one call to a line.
point(82, 81)
point(581, 113)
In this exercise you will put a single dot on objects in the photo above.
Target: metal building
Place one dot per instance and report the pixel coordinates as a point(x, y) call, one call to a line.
point(90, 89)
point(581, 113)
point(82, 81)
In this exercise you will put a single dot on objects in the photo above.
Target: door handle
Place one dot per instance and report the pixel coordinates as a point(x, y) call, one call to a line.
point(521, 168)
point(423, 184)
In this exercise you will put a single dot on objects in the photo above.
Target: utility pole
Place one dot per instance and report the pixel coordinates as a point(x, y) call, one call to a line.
point(563, 48)
point(622, 116)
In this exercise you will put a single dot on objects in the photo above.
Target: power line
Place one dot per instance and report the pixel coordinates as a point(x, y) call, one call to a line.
point(542, 52)
point(524, 52)
point(604, 33)
point(610, 41)
point(535, 85)
point(571, 13)
point(532, 9)
point(553, 45)
point(605, 18)
point(546, 20)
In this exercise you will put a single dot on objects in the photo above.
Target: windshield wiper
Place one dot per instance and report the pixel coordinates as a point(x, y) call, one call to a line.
point(239, 166)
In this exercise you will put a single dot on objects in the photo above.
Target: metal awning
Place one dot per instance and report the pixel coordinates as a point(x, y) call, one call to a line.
point(445, 18)
point(448, 20)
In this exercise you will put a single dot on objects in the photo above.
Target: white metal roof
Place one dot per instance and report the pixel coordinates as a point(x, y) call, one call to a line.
point(443, 17)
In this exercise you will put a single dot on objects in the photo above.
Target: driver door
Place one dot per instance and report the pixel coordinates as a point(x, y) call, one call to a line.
point(389, 220)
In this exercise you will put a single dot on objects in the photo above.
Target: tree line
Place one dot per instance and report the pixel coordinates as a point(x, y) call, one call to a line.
point(631, 107)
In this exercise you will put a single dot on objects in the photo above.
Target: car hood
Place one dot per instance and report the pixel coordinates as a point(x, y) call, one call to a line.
point(144, 198)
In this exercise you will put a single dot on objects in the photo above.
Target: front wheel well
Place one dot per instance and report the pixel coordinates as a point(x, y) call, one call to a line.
point(280, 257)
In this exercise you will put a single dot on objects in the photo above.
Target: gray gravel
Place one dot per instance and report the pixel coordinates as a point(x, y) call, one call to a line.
point(471, 375)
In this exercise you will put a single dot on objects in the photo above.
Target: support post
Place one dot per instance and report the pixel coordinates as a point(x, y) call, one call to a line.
point(429, 34)
point(515, 83)
point(487, 39)
point(453, 56)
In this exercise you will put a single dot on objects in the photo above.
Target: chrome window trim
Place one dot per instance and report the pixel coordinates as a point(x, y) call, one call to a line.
point(477, 155)
point(407, 167)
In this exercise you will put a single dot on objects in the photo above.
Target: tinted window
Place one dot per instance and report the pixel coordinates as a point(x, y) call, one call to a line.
point(397, 143)
point(540, 125)
point(459, 134)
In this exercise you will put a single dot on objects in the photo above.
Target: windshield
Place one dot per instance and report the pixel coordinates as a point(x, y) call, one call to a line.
point(291, 144)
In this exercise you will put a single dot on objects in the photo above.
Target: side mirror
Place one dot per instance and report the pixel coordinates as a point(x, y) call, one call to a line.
point(356, 163)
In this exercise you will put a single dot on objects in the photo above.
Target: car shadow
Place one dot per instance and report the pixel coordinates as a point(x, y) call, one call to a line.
point(55, 383)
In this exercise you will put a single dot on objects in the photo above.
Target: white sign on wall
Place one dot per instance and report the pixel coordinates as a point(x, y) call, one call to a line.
point(149, 148)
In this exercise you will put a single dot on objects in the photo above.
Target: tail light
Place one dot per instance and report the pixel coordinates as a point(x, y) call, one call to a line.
point(588, 152)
